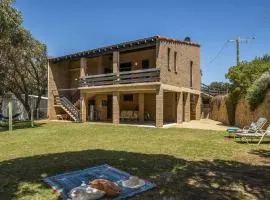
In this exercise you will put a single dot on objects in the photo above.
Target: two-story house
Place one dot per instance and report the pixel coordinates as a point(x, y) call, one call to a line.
point(155, 79)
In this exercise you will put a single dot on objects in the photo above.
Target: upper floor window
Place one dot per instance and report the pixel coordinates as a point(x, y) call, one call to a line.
point(145, 64)
point(191, 73)
point(125, 67)
point(168, 59)
point(175, 62)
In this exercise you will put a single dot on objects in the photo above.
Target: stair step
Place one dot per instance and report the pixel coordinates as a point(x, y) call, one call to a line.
point(69, 108)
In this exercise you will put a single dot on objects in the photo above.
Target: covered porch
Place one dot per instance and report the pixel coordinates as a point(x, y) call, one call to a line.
point(139, 104)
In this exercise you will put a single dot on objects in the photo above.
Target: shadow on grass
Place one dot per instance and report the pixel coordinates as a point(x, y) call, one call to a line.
point(17, 127)
point(175, 178)
point(261, 152)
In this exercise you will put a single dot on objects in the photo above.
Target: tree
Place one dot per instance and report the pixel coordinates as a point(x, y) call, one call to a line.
point(246, 82)
point(23, 59)
point(221, 86)
point(245, 74)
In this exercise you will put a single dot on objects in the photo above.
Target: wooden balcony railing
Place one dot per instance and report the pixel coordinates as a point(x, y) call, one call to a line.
point(136, 76)
point(96, 80)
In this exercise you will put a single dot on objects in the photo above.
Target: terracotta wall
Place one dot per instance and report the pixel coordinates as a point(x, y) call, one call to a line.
point(243, 114)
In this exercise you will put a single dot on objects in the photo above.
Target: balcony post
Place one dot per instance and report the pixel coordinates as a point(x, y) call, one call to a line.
point(187, 107)
point(83, 107)
point(83, 67)
point(116, 65)
point(159, 107)
point(198, 102)
point(116, 107)
point(179, 108)
point(141, 107)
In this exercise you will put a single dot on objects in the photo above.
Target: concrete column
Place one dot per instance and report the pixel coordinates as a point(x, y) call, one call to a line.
point(179, 108)
point(159, 107)
point(116, 65)
point(174, 98)
point(51, 85)
point(141, 107)
point(83, 107)
point(116, 107)
point(83, 67)
point(187, 107)
point(198, 103)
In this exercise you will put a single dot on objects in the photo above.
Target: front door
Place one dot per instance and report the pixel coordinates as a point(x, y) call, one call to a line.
point(109, 107)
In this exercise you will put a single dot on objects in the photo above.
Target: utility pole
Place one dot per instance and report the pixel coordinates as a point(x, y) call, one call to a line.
point(237, 51)
point(239, 40)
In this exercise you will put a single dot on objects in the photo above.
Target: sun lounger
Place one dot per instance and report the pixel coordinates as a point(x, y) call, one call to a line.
point(252, 128)
point(245, 136)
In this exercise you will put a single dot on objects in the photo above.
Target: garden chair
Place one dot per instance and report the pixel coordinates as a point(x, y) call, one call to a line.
point(245, 136)
point(254, 127)
point(123, 115)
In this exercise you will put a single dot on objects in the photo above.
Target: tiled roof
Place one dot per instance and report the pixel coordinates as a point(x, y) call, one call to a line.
point(122, 46)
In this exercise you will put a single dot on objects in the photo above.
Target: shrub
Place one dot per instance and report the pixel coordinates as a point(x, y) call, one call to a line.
point(256, 93)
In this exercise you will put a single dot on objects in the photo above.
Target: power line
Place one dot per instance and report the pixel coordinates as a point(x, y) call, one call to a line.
point(237, 42)
point(219, 52)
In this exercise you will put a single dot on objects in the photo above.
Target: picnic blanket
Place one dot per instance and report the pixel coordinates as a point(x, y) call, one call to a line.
point(64, 183)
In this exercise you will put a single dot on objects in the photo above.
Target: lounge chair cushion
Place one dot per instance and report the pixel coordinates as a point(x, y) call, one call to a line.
point(232, 129)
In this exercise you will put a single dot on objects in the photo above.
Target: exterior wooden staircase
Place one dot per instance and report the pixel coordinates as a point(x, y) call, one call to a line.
point(69, 106)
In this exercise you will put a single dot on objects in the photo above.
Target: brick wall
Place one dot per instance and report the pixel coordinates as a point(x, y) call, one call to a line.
point(138, 56)
point(169, 113)
point(185, 54)
point(150, 105)
point(129, 105)
point(58, 78)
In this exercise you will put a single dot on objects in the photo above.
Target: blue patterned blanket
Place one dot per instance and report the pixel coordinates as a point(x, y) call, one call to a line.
point(63, 183)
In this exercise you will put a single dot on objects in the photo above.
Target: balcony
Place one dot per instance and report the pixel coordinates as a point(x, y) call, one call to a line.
point(136, 76)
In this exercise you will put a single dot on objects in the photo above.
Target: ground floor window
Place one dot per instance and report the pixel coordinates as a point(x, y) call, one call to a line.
point(128, 97)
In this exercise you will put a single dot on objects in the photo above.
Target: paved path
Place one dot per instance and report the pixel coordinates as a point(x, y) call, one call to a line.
point(207, 124)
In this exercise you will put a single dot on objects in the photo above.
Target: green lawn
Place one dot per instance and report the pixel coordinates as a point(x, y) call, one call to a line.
point(184, 163)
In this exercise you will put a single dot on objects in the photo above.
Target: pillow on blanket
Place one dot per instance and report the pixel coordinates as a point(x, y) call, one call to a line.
point(107, 186)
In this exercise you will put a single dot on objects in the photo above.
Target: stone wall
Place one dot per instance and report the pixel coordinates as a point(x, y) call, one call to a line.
point(243, 114)
point(169, 113)
point(218, 109)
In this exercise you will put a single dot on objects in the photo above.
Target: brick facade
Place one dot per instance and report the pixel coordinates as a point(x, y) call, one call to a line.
point(170, 101)
point(185, 55)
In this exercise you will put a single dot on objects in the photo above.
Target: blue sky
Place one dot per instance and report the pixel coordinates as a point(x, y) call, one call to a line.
point(68, 26)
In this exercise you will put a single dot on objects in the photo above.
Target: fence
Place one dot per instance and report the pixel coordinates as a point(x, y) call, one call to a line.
point(18, 108)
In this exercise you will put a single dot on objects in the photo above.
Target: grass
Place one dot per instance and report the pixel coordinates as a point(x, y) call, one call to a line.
point(184, 163)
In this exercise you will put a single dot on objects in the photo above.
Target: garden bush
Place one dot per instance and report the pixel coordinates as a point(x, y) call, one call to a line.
point(256, 93)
